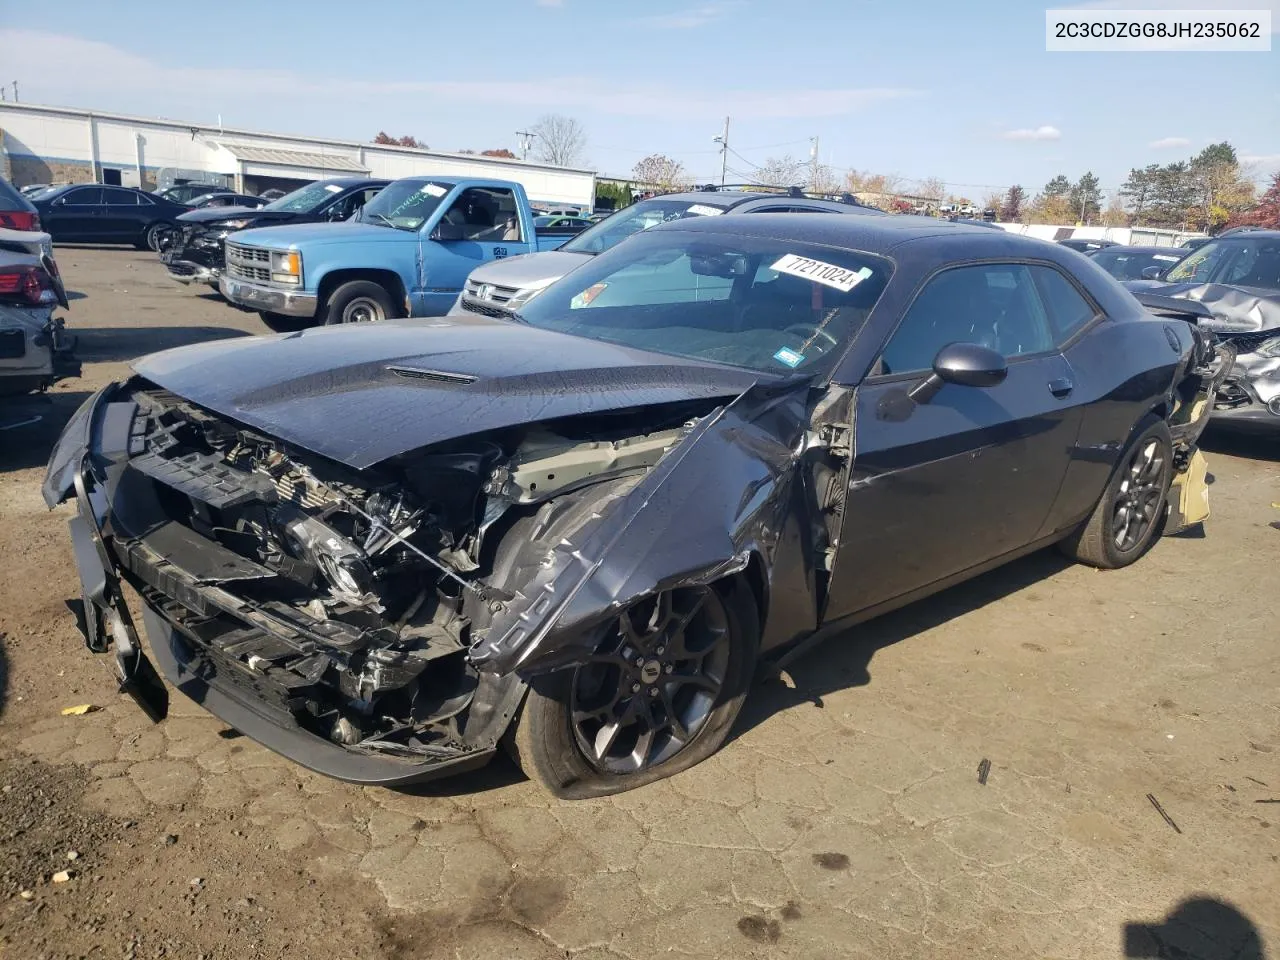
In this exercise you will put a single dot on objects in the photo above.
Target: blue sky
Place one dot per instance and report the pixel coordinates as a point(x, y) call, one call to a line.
point(921, 88)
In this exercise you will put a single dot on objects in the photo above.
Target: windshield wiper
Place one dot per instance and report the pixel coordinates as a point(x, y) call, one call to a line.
point(384, 218)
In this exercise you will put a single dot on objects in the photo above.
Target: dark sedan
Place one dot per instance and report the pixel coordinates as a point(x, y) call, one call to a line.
point(383, 550)
point(186, 192)
point(193, 253)
point(1087, 246)
point(1134, 263)
point(93, 213)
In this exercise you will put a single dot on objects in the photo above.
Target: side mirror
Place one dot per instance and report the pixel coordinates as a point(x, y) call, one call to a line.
point(447, 231)
point(965, 365)
point(1152, 273)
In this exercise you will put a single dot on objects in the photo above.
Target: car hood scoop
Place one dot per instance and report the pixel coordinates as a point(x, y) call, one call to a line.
point(362, 394)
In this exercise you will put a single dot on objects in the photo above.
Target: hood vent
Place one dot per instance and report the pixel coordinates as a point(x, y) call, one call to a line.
point(437, 376)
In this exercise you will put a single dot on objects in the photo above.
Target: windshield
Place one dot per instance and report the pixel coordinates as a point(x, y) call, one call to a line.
point(406, 204)
point(306, 199)
point(763, 304)
point(1124, 264)
point(633, 219)
point(1240, 261)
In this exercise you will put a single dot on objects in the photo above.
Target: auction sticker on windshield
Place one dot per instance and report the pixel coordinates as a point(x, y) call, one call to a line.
point(790, 357)
point(434, 189)
point(828, 274)
point(333, 187)
point(702, 210)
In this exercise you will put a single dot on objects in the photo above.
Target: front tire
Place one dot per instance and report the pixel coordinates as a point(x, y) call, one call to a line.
point(1128, 518)
point(659, 694)
point(359, 301)
point(151, 237)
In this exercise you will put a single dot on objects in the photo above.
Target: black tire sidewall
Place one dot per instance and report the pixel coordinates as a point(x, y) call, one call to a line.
point(545, 745)
point(1159, 430)
point(152, 233)
point(341, 297)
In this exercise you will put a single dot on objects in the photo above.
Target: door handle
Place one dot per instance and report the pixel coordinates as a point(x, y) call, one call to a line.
point(1061, 387)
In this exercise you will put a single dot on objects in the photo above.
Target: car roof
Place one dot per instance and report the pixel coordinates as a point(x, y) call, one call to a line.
point(870, 234)
point(1265, 234)
point(732, 199)
point(1142, 248)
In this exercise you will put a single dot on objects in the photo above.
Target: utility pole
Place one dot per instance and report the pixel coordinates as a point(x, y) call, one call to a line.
point(15, 91)
point(526, 139)
point(723, 140)
point(813, 163)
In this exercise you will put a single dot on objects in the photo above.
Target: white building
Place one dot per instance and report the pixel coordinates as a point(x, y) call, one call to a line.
point(40, 144)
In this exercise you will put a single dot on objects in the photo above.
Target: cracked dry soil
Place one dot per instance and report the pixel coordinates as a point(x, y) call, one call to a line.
point(844, 819)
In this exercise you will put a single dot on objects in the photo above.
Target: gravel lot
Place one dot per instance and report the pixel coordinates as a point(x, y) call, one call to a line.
point(845, 819)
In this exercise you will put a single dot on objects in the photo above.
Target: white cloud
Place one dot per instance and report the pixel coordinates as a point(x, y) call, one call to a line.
point(1168, 143)
point(689, 18)
point(1264, 160)
point(83, 64)
point(1045, 132)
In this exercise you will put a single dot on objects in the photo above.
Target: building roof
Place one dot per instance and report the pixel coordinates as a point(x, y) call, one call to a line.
point(293, 158)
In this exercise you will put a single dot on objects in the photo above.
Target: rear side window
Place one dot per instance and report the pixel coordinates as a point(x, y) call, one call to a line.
point(119, 198)
point(1068, 311)
point(83, 196)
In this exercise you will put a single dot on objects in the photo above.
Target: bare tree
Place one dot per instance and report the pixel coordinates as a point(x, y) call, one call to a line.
point(822, 179)
point(931, 187)
point(561, 140)
point(661, 173)
point(779, 172)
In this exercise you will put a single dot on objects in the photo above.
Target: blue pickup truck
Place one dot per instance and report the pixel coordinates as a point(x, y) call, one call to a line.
point(406, 254)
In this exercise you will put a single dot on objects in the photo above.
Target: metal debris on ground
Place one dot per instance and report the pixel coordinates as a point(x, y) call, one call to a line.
point(1160, 810)
point(1255, 780)
point(1269, 800)
point(79, 710)
point(984, 770)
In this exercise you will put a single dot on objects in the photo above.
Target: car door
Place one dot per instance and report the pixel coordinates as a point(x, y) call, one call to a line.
point(122, 217)
point(940, 487)
point(76, 215)
point(482, 224)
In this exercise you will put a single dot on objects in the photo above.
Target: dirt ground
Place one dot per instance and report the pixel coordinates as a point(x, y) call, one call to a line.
point(845, 819)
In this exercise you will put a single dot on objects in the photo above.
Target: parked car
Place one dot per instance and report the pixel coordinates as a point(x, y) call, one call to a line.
point(1135, 262)
point(93, 213)
point(185, 192)
point(242, 200)
point(382, 552)
point(31, 189)
point(1235, 278)
point(195, 252)
point(1087, 246)
point(17, 212)
point(272, 194)
point(408, 256)
point(1195, 243)
point(500, 289)
point(563, 227)
point(35, 351)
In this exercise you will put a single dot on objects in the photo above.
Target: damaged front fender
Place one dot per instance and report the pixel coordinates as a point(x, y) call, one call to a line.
point(721, 501)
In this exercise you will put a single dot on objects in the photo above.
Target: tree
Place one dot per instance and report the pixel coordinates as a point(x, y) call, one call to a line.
point(779, 172)
point(501, 152)
point(1086, 198)
point(1265, 213)
point(1115, 215)
point(1011, 209)
point(931, 188)
point(1059, 186)
point(1172, 195)
point(992, 201)
point(822, 179)
point(1217, 186)
point(560, 140)
point(1139, 189)
point(405, 141)
point(661, 173)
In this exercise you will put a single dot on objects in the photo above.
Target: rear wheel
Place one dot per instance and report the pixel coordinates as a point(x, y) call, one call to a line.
point(659, 694)
point(359, 301)
point(1130, 514)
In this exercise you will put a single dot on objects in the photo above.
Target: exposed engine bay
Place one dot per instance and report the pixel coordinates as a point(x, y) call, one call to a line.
point(350, 599)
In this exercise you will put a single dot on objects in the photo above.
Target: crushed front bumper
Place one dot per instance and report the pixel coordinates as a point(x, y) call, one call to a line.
point(182, 579)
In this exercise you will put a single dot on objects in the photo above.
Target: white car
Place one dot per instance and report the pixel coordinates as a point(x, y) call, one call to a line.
point(35, 350)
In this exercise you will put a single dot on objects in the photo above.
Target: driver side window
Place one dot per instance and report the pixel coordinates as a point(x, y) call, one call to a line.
point(486, 214)
point(993, 304)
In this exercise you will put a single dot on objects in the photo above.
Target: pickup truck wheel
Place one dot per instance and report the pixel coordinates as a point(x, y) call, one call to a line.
point(359, 301)
point(659, 694)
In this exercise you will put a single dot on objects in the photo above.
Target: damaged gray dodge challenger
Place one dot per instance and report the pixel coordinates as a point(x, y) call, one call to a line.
point(387, 551)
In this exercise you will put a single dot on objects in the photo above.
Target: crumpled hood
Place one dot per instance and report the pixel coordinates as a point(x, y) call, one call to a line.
point(336, 391)
point(213, 214)
point(1235, 309)
point(292, 234)
point(529, 269)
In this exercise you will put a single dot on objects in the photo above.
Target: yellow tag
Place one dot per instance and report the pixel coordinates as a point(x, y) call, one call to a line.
point(79, 710)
